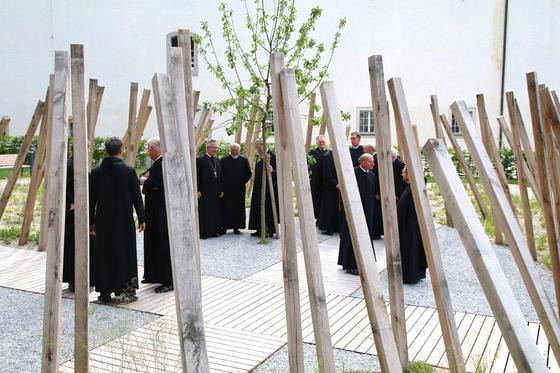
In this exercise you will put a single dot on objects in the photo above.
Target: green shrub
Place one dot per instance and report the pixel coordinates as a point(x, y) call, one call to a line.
point(419, 367)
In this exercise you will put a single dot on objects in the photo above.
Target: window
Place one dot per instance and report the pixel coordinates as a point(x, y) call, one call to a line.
point(365, 121)
point(172, 41)
point(455, 125)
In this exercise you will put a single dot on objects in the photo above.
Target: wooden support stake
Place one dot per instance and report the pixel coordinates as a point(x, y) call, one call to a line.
point(196, 97)
point(81, 209)
point(434, 108)
point(136, 133)
point(37, 172)
point(427, 227)
point(388, 205)
point(201, 127)
point(323, 127)
point(238, 132)
point(183, 234)
point(4, 125)
point(56, 202)
point(510, 319)
point(464, 165)
point(251, 157)
point(348, 129)
point(287, 223)
point(528, 150)
point(44, 229)
point(132, 119)
point(512, 231)
point(310, 115)
point(385, 345)
point(310, 244)
point(18, 164)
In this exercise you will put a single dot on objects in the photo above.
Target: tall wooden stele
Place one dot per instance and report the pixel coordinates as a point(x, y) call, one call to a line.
point(56, 202)
point(388, 205)
point(81, 208)
point(385, 345)
point(512, 230)
point(493, 281)
point(287, 223)
point(415, 169)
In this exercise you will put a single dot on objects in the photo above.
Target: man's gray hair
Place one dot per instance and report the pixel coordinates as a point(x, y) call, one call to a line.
point(394, 153)
point(210, 142)
point(154, 141)
point(369, 146)
point(364, 156)
point(321, 137)
point(236, 145)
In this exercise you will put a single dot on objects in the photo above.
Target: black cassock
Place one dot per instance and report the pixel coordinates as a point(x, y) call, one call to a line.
point(255, 212)
point(315, 179)
point(355, 154)
point(413, 258)
point(398, 165)
point(366, 185)
point(157, 255)
point(209, 179)
point(114, 190)
point(68, 271)
point(329, 211)
point(236, 172)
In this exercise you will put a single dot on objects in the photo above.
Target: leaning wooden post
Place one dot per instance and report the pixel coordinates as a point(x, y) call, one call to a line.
point(388, 205)
point(510, 319)
point(132, 119)
point(181, 218)
point(81, 209)
point(272, 198)
point(385, 345)
point(310, 115)
point(323, 127)
point(512, 231)
point(36, 176)
point(427, 227)
point(311, 255)
point(434, 108)
point(287, 223)
point(4, 125)
point(464, 165)
point(195, 98)
point(26, 144)
point(56, 201)
point(136, 132)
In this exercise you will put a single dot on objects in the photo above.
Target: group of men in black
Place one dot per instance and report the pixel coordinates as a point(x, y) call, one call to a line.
point(115, 190)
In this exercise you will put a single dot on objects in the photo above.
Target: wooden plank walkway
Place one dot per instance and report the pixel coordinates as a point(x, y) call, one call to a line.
point(245, 322)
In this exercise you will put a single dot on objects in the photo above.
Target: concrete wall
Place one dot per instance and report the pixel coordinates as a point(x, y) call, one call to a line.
point(452, 48)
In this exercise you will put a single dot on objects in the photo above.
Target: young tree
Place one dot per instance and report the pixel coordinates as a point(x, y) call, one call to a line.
point(244, 72)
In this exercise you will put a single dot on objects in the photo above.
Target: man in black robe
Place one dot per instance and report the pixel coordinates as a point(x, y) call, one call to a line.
point(114, 190)
point(157, 254)
point(329, 212)
point(315, 176)
point(398, 166)
point(236, 172)
point(366, 185)
point(210, 191)
point(413, 257)
point(355, 149)
point(255, 212)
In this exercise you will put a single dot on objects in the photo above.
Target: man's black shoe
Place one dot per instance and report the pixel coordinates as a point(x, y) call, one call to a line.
point(71, 287)
point(256, 234)
point(163, 289)
point(236, 231)
point(203, 236)
point(104, 298)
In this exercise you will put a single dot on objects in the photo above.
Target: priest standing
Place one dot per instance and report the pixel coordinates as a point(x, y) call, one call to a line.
point(157, 254)
point(355, 149)
point(236, 172)
point(315, 177)
point(114, 191)
point(210, 191)
point(329, 211)
point(366, 186)
point(255, 212)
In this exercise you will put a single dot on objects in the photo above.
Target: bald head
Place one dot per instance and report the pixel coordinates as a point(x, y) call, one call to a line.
point(366, 161)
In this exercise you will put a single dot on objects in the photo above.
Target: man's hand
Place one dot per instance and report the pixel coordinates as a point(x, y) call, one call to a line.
point(71, 207)
point(270, 169)
point(338, 186)
point(92, 230)
point(377, 196)
point(143, 180)
point(199, 194)
point(141, 227)
point(221, 195)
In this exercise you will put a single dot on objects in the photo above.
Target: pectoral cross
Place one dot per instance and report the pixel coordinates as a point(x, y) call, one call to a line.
point(215, 174)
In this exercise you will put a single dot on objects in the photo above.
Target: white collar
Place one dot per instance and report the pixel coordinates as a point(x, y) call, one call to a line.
point(355, 147)
point(366, 171)
point(234, 157)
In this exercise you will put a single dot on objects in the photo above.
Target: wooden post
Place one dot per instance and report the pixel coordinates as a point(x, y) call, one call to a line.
point(136, 133)
point(251, 157)
point(36, 176)
point(56, 202)
point(348, 129)
point(200, 128)
point(434, 108)
point(27, 139)
point(196, 97)
point(94, 101)
point(512, 230)
point(464, 165)
point(238, 132)
point(4, 125)
point(310, 115)
point(385, 345)
point(132, 119)
point(310, 244)
point(388, 205)
point(510, 319)
point(528, 150)
point(183, 234)
point(81, 209)
point(323, 127)
point(287, 223)
point(427, 227)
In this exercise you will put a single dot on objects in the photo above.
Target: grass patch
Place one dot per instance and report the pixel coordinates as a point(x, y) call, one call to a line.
point(419, 367)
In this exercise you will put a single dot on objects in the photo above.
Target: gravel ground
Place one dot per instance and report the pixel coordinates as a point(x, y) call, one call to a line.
point(345, 361)
point(465, 290)
point(21, 320)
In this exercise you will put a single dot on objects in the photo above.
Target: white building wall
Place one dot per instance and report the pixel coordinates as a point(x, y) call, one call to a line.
point(452, 48)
